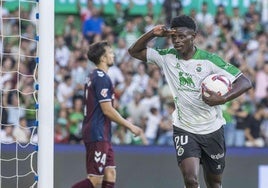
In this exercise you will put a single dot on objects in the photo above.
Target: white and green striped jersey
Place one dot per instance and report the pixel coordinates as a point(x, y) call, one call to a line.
point(184, 78)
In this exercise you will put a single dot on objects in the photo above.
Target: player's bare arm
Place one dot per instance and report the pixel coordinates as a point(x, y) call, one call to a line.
point(113, 115)
point(138, 49)
point(241, 85)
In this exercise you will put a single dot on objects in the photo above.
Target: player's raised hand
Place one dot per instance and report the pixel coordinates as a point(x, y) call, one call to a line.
point(162, 31)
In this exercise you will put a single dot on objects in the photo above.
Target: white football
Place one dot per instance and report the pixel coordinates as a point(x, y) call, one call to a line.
point(217, 83)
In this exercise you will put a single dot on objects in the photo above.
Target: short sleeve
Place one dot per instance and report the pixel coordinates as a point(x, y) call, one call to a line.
point(153, 56)
point(103, 88)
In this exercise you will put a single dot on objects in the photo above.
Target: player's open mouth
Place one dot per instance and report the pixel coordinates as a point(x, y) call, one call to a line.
point(178, 46)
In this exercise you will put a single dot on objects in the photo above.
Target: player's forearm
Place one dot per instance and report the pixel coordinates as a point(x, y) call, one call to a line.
point(241, 85)
point(114, 116)
point(138, 48)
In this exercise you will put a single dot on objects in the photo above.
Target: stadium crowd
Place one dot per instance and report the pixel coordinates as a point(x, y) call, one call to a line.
point(141, 92)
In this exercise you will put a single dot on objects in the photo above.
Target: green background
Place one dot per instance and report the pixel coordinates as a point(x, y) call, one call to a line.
point(69, 6)
point(64, 8)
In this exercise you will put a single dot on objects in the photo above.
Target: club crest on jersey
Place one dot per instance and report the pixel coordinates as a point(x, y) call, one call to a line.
point(180, 151)
point(100, 73)
point(104, 92)
point(198, 68)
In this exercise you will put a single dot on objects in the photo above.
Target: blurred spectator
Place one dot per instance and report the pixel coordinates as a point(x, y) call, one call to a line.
point(134, 109)
point(149, 23)
point(252, 53)
point(93, 26)
point(152, 125)
point(62, 52)
point(72, 36)
point(75, 118)
point(141, 78)
point(171, 8)
point(165, 127)
point(237, 23)
point(79, 74)
point(4, 11)
point(21, 132)
point(61, 125)
point(230, 126)
point(68, 25)
point(59, 135)
point(250, 12)
point(118, 20)
point(14, 109)
point(28, 99)
point(8, 65)
point(85, 12)
point(152, 13)
point(155, 80)
point(3, 115)
point(116, 75)
point(150, 100)
point(65, 92)
point(129, 33)
point(234, 56)
point(264, 126)
point(241, 111)
point(204, 18)
point(124, 91)
point(121, 53)
point(62, 118)
point(30, 33)
point(261, 83)
point(6, 134)
point(5, 22)
point(165, 93)
point(253, 127)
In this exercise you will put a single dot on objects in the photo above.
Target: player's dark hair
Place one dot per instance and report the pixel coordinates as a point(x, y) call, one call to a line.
point(96, 50)
point(183, 21)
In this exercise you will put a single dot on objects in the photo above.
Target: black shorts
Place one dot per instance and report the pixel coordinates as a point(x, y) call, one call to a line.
point(209, 148)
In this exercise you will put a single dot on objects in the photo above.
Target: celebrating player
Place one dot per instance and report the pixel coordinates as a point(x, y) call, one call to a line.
point(99, 112)
point(198, 130)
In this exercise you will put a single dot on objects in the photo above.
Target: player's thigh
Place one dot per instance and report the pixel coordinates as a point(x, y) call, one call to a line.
point(110, 174)
point(99, 155)
point(185, 144)
point(190, 167)
point(213, 152)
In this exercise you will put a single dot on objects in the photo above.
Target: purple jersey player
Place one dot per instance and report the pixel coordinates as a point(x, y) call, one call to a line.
point(99, 112)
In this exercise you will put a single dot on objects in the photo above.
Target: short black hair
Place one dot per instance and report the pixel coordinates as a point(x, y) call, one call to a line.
point(183, 21)
point(96, 50)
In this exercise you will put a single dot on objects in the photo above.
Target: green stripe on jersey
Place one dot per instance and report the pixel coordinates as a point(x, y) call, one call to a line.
point(216, 60)
point(204, 55)
point(168, 51)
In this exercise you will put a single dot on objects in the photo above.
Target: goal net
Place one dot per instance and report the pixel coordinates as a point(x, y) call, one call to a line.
point(22, 89)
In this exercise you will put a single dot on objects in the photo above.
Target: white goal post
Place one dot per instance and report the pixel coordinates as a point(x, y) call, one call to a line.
point(46, 95)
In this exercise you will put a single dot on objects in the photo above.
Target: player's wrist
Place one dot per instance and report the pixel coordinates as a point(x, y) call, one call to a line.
point(151, 33)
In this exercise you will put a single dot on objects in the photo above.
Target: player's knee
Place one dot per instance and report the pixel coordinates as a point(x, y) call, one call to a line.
point(110, 174)
point(214, 182)
point(191, 181)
